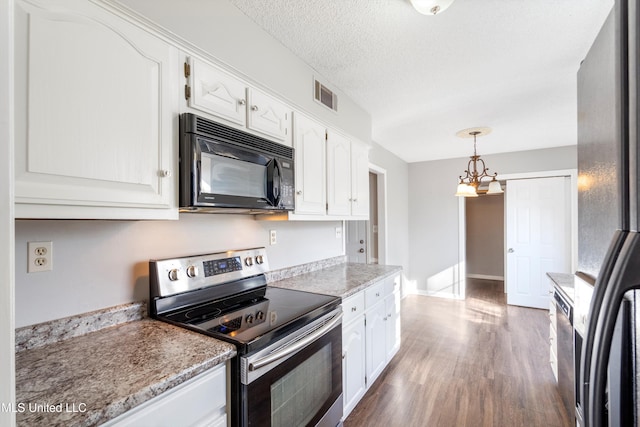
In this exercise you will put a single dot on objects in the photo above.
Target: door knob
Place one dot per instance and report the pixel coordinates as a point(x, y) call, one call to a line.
point(361, 242)
point(510, 250)
point(361, 250)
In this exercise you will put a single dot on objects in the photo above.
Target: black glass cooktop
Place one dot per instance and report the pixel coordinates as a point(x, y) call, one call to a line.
point(255, 318)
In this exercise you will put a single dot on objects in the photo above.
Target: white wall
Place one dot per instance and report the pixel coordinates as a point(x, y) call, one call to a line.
point(98, 264)
point(433, 211)
point(397, 232)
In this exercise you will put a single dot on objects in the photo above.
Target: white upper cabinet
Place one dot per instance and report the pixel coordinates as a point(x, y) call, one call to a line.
point(359, 180)
point(216, 92)
point(310, 170)
point(268, 115)
point(338, 174)
point(95, 131)
point(347, 177)
point(213, 91)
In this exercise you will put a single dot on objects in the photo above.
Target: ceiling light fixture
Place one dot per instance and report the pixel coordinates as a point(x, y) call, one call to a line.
point(469, 184)
point(431, 7)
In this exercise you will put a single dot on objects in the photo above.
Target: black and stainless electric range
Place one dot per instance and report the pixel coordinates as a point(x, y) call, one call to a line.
point(288, 371)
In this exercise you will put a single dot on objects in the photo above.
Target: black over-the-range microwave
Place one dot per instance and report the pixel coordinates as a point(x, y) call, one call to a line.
point(223, 169)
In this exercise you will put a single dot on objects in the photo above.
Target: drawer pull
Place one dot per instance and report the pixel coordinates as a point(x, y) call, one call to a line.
point(354, 309)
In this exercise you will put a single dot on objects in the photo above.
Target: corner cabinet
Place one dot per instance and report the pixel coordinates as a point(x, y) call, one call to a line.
point(370, 337)
point(95, 132)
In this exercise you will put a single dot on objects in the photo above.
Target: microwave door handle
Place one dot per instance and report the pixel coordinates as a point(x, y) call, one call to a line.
point(594, 311)
point(625, 277)
point(275, 184)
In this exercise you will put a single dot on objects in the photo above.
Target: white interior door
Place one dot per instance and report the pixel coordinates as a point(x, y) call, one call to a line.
point(537, 236)
point(356, 242)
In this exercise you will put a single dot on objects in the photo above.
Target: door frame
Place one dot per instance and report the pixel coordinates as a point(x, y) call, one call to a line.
point(381, 208)
point(462, 223)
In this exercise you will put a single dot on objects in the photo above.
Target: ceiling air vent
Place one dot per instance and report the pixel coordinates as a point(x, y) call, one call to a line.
point(325, 96)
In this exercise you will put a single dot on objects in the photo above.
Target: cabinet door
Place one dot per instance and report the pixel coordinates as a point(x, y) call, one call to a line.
point(392, 325)
point(338, 174)
point(375, 337)
point(309, 144)
point(198, 402)
point(216, 92)
point(94, 123)
point(269, 116)
point(359, 180)
point(353, 363)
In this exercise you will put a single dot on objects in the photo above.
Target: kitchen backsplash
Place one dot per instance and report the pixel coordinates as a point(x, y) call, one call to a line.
point(98, 264)
point(285, 273)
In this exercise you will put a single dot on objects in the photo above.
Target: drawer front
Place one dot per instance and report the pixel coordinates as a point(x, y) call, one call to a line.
point(352, 307)
point(374, 294)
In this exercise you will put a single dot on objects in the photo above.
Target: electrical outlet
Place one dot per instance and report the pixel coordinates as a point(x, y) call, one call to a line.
point(272, 237)
point(338, 232)
point(39, 257)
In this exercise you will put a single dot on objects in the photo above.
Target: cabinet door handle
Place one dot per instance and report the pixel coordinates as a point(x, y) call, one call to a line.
point(377, 294)
point(354, 309)
point(242, 101)
point(254, 108)
point(165, 173)
point(299, 192)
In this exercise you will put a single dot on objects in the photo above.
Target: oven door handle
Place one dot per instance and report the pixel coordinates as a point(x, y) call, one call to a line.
point(253, 366)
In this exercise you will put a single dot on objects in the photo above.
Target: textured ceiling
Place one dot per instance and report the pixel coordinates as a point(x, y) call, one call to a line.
point(507, 64)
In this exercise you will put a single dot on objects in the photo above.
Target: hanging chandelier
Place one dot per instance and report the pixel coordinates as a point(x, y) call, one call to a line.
point(469, 184)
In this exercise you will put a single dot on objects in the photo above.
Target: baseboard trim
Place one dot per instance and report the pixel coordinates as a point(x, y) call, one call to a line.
point(485, 277)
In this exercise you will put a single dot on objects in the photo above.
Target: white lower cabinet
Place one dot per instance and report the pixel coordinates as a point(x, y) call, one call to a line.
point(392, 316)
point(370, 337)
point(198, 402)
point(376, 330)
point(353, 363)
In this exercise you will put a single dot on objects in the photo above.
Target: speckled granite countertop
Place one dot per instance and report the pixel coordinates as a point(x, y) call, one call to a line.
point(90, 378)
point(340, 280)
point(565, 283)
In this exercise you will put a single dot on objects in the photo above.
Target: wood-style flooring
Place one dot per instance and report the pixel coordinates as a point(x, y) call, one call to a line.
point(477, 362)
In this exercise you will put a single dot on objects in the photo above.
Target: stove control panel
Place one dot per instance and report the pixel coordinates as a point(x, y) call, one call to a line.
point(172, 276)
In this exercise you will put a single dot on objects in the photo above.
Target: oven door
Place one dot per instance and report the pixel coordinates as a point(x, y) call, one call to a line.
point(296, 381)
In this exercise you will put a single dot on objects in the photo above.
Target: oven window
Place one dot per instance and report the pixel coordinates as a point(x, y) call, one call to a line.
point(299, 390)
point(223, 175)
point(298, 396)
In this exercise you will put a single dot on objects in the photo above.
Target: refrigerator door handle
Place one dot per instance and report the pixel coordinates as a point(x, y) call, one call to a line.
point(625, 277)
point(594, 311)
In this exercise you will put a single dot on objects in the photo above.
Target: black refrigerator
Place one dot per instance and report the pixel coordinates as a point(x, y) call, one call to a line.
point(609, 242)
